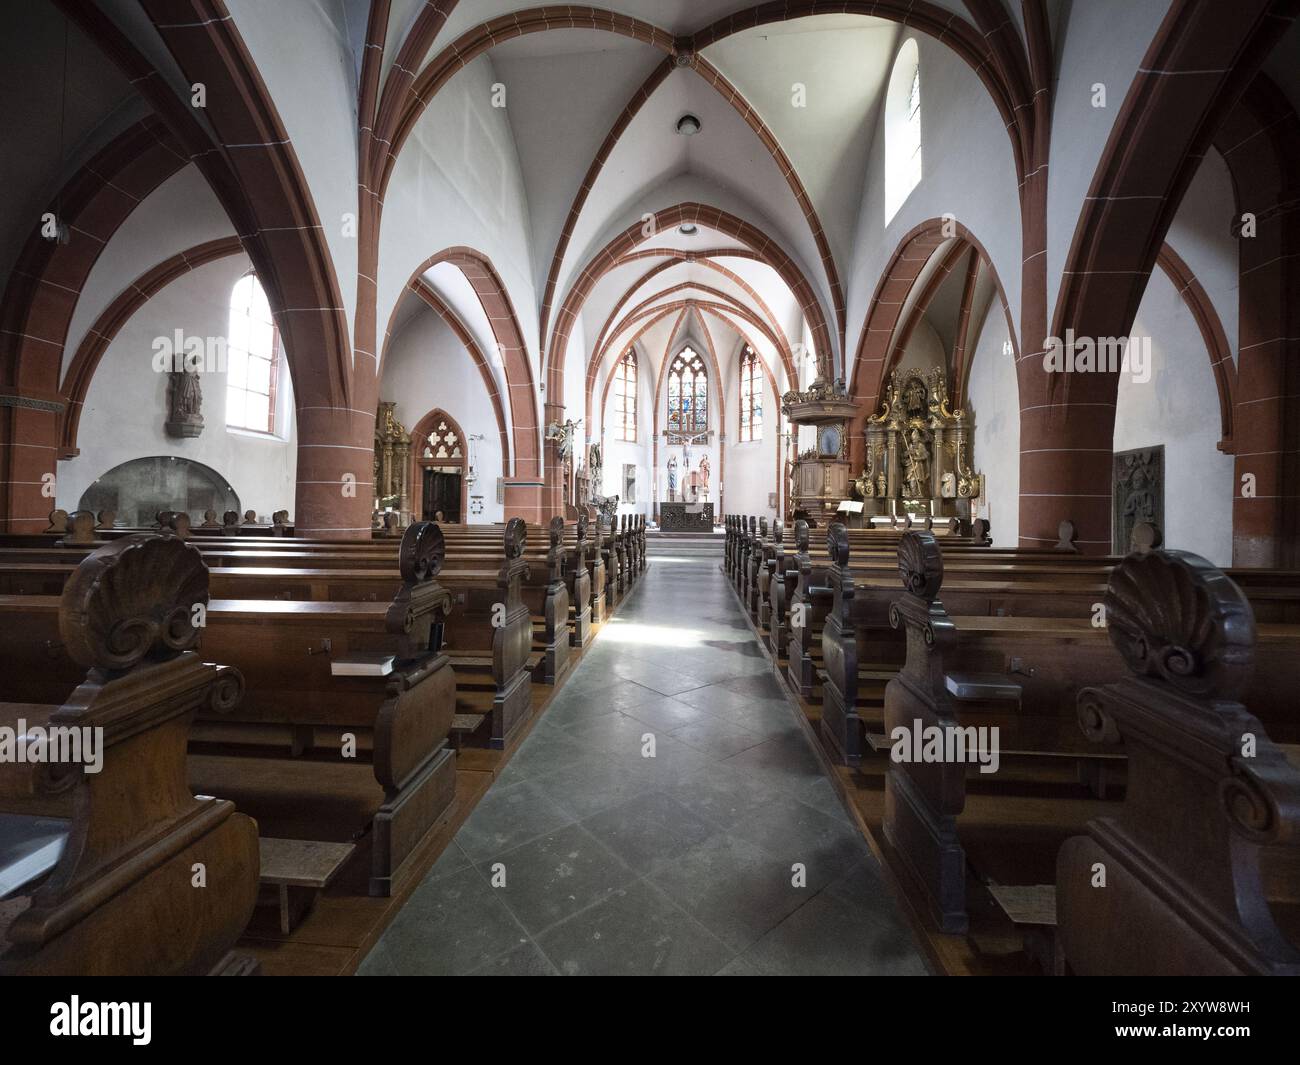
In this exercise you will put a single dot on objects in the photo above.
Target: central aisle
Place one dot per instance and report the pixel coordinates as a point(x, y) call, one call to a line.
point(681, 863)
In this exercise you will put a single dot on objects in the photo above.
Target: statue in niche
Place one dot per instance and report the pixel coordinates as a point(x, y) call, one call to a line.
point(184, 404)
point(914, 398)
point(916, 467)
point(948, 485)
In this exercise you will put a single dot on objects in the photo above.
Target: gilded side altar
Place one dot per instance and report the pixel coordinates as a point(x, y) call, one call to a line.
point(918, 451)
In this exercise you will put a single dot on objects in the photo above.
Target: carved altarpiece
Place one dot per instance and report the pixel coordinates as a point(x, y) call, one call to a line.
point(392, 463)
point(918, 451)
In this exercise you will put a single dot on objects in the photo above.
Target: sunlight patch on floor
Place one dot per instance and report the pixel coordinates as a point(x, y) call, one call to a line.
point(619, 631)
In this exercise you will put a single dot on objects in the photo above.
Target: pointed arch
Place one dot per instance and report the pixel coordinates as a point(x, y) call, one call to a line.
point(497, 305)
point(441, 426)
point(714, 218)
point(917, 247)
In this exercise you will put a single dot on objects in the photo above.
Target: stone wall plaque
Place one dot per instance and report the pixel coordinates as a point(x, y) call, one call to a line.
point(1138, 493)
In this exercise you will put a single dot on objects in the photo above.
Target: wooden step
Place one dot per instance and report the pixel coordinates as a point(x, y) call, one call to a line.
point(296, 871)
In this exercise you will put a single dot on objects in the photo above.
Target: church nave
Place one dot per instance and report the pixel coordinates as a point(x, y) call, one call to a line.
point(679, 864)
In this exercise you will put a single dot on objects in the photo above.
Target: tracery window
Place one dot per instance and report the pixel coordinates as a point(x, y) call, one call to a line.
point(443, 444)
point(625, 398)
point(688, 393)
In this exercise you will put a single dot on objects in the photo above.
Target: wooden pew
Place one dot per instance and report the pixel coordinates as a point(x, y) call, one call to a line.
point(954, 677)
point(376, 670)
point(122, 898)
point(1209, 793)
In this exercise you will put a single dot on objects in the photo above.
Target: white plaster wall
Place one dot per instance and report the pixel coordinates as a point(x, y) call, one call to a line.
point(924, 349)
point(574, 395)
point(126, 403)
point(617, 452)
point(303, 53)
point(1201, 234)
point(751, 472)
point(457, 182)
point(178, 214)
point(1104, 43)
point(993, 396)
point(967, 171)
point(427, 366)
point(1179, 408)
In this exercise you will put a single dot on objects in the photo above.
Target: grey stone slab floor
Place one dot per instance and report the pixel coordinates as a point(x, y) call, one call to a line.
point(666, 816)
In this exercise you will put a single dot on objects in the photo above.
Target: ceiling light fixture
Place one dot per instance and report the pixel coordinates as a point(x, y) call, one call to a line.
point(688, 229)
point(688, 125)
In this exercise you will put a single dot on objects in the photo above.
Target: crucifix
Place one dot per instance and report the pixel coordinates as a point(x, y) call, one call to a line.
point(677, 438)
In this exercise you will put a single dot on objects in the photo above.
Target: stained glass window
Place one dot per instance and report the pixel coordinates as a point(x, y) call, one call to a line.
point(688, 393)
point(751, 397)
point(625, 397)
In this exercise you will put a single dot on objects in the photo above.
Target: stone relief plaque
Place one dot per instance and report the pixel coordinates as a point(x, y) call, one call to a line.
point(1138, 492)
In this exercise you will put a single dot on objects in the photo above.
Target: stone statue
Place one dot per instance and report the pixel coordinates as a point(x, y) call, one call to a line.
point(595, 475)
point(563, 435)
point(916, 467)
point(672, 477)
point(704, 476)
point(914, 398)
point(184, 404)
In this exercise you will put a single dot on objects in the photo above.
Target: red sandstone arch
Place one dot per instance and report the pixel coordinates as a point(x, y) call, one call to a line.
point(98, 338)
point(1260, 142)
point(1202, 58)
point(657, 313)
point(481, 38)
point(40, 299)
point(871, 364)
point(524, 496)
point(628, 239)
point(480, 360)
point(993, 51)
point(242, 149)
point(676, 257)
point(1207, 320)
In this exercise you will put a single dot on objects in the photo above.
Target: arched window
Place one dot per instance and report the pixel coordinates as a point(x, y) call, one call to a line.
point(252, 355)
point(688, 393)
point(751, 397)
point(902, 129)
point(625, 397)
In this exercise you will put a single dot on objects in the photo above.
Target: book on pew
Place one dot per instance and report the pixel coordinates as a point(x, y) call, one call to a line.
point(29, 848)
point(363, 664)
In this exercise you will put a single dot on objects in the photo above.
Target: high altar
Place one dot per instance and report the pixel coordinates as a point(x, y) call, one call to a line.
point(918, 451)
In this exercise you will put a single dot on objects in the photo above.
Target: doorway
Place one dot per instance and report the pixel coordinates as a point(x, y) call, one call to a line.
point(441, 493)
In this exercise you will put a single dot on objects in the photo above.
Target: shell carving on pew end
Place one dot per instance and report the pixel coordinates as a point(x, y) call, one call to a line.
point(920, 564)
point(1175, 617)
point(134, 598)
point(422, 553)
